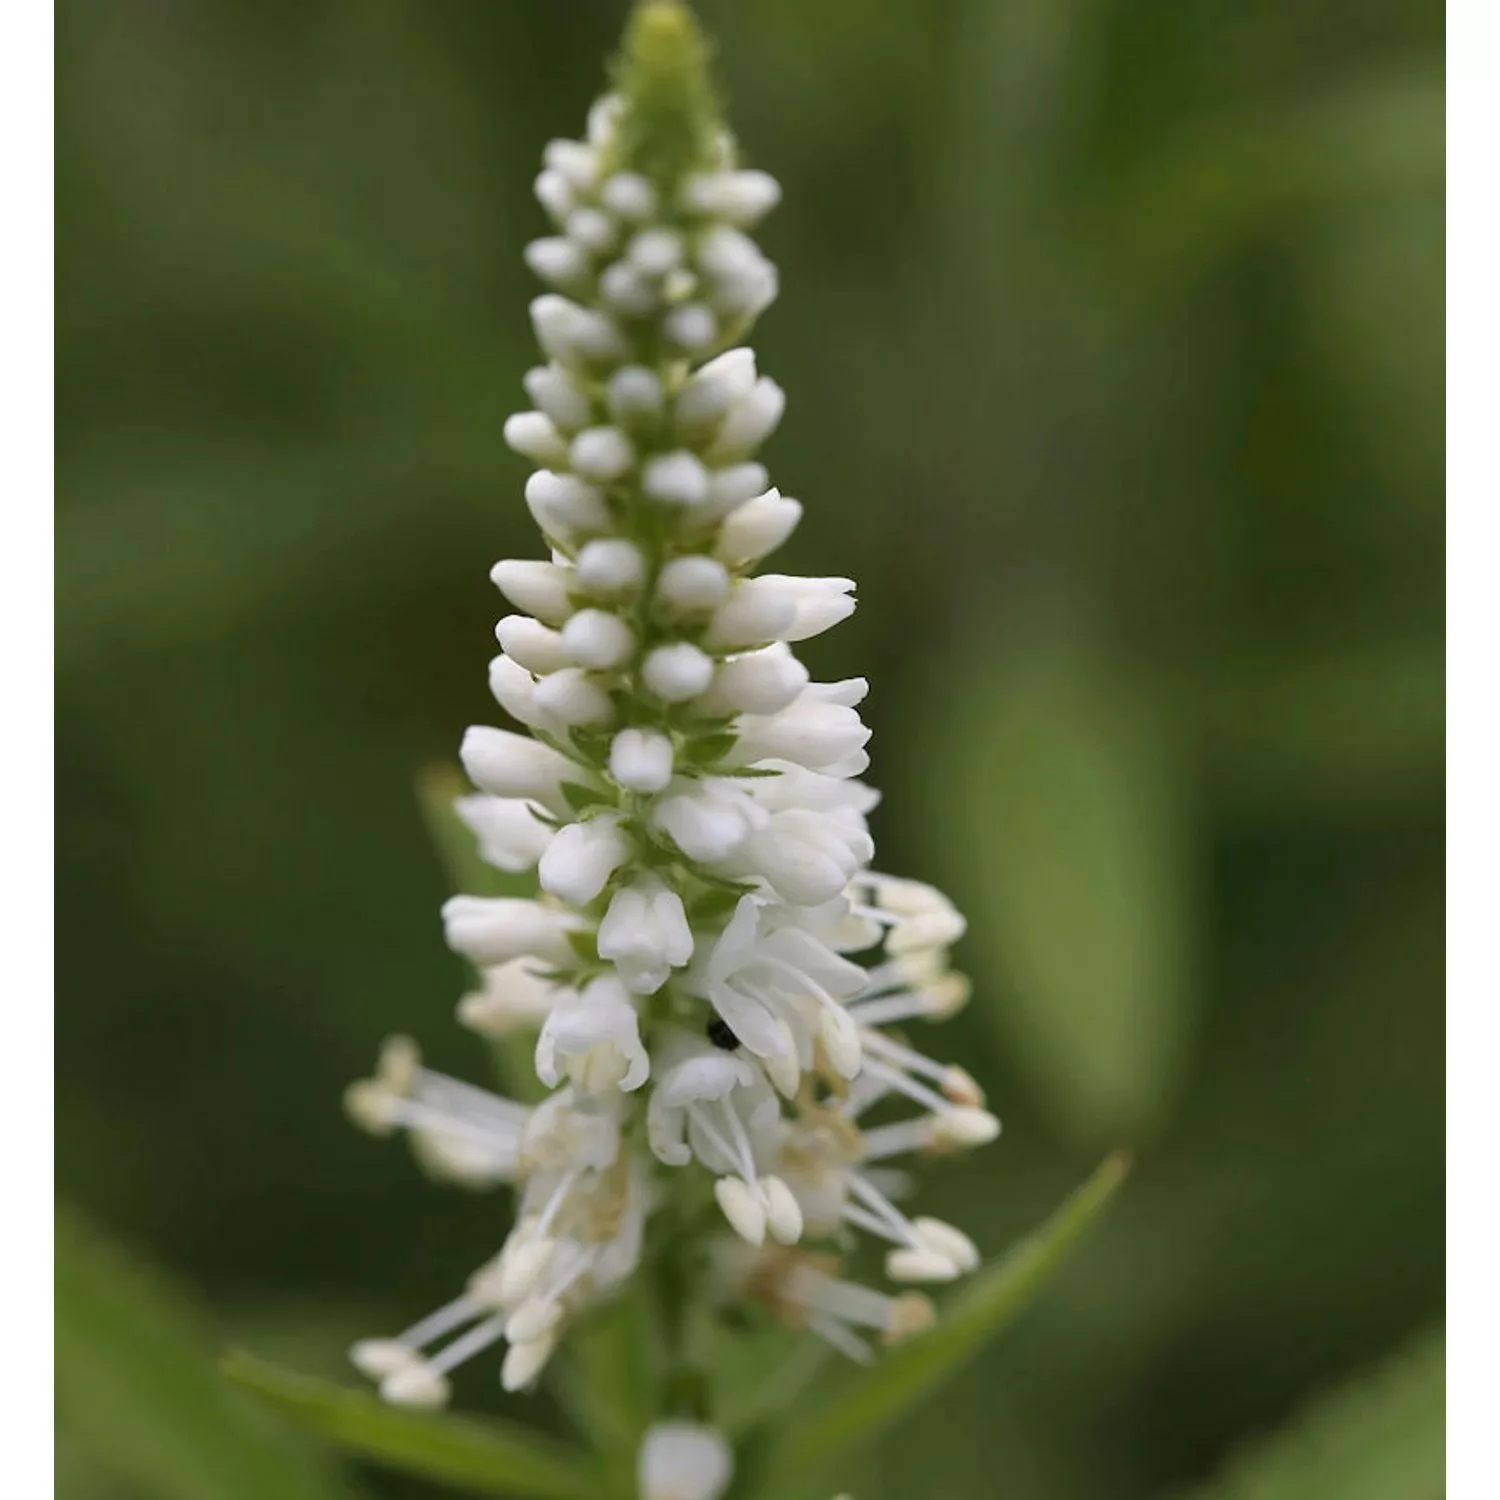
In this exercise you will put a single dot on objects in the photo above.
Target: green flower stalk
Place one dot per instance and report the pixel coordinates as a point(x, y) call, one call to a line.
point(712, 968)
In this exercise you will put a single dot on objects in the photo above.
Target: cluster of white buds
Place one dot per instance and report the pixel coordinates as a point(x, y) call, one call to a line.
point(713, 972)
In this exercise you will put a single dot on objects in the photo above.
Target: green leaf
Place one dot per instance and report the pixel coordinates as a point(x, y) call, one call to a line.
point(582, 798)
point(1381, 1438)
point(604, 1375)
point(1078, 840)
point(487, 1458)
point(1214, 186)
point(908, 1374)
point(137, 1396)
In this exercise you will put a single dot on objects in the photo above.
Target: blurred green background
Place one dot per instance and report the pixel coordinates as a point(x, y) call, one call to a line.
point(1111, 330)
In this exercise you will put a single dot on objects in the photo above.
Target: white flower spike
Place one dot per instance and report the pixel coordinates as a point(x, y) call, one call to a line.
point(708, 967)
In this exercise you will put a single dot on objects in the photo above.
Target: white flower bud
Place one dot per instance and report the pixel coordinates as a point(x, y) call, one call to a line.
point(777, 606)
point(677, 478)
point(629, 195)
point(511, 836)
point(591, 230)
point(515, 765)
point(555, 194)
point(593, 638)
point(641, 760)
point(514, 689)
point(762, 682)
point(654, 252)
point(693, 585)
point(677, 672)
point(563, 505)
point(708, 817)
point(531, 434)
point(809, 733)
point(753, 615)
point(581, 857)
point(726, 252)
point(602, 453)
point(604, 122)
point(555, 392)
point(633, 393)
point(610, 567)
point(512, 996)
point(690, 327)
point(645, 935)
point(558, 260)
point(578, 163)
point(757, 527)
point(683, 1461)
point(539, 588)
point(494, 930)
point(740, 197)
point(572, 698)
point(532, 644)
point(751, 420)
point(733, 486)
point(711, 390)
point(572, 334)
point(627, 291)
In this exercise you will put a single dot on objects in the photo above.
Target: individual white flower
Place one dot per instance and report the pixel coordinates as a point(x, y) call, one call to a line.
point(683, 1461)
point(512, 765)
point(580, 858)
point(708, 817)
point(536, 647)
point(757, 528)
point(774, 607)
point(538, 588)
point(779, 990)
point(645, 934)
point(511, 996)
point(818, 730)
point(457, 1131)
point(511, 836)
point(496, 929)
point(593, 1037)
point(641, 759)
point(759, 682)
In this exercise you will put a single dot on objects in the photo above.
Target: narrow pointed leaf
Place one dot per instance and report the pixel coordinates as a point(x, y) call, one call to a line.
point(1379, 1438)
point(485, 1458)
point(137, 1399)
point(908, 1374)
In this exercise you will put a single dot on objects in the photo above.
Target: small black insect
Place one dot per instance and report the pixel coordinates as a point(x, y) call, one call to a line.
point(722, 1037)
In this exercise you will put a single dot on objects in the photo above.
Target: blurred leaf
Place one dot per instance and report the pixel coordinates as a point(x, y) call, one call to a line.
point(1078, 882)
point(488, 1458)
point(137, 1394)
point(603, 1375)
point(1218, 183)
point(1348, 730)
point(908, 1374)
point(1381, 1438)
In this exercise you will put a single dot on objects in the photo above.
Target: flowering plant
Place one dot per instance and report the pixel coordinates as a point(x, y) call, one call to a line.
point(713, 973)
